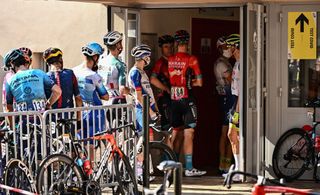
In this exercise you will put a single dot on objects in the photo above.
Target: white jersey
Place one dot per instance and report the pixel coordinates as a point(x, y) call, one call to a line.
point(139, 81)
point(235, 84)
point(221, 67)
point(113, 73)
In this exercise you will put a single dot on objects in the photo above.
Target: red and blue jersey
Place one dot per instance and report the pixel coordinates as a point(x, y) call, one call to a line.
point(180, 66)
point(68, 83)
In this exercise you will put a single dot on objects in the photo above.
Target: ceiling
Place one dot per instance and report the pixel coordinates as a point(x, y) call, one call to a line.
point(142, 3)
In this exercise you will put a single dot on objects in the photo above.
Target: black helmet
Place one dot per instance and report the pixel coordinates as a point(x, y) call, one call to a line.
point(182, 36)
point(165, 39)
point(13, 58)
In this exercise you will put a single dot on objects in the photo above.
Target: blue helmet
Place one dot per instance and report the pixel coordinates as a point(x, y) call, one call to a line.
point(141, 51)
point(92, 49)
point(13, 56)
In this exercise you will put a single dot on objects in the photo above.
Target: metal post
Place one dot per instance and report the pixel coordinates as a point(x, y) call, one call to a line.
point(146, 166)
point(177, 180)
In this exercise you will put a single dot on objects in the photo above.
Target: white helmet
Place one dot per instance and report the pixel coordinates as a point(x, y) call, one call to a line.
point(141, 51)
point(112, 38)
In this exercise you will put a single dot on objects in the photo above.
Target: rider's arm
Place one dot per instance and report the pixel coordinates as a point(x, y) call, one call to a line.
point(102, 91)
point(122, 79)
point(155, 81)
point(56, 93)
point(194, 65)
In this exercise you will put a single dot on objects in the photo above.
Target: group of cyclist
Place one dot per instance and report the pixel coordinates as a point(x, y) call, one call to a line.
point(228, 85)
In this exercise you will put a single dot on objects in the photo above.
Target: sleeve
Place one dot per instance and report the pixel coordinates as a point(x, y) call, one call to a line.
point(155, 71)
point(9, 95)
point(135, 77)
point(48, 83)
point(194, 65)
point(75, 86)
point(122, 73)
point(99, 86)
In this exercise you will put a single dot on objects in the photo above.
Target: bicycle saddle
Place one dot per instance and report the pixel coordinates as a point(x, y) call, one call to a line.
point(168, 165)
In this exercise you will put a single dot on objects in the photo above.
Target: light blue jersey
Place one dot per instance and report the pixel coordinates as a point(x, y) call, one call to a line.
point(90, 85)
point(26, 90)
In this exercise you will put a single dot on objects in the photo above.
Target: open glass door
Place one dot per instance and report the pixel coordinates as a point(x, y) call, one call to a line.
point(126, 21)
point(253, 88)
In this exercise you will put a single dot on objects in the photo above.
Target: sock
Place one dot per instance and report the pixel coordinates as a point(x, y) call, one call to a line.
point(188, 161)
point(237, 160)
point(177, 155)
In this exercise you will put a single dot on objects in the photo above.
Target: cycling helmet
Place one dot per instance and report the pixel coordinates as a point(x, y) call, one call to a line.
point(182, 36)
point(233, 40)
point(141, 51)
point(221, 41)
point(27, 53)
point(112, 38)
point(92, 49)
point(13, 58)
point(51, 53)
point(165, 39)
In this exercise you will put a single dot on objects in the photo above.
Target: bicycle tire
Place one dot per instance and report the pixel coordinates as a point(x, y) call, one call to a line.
point(70, 183)
point(292, 154)
point(159, 152)
point(124, 175)
point(16, 174)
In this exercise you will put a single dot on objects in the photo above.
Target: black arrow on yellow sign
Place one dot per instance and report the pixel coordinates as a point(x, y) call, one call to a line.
point(302, 18)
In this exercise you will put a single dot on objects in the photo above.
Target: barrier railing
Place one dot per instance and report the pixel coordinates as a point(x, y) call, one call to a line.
point(36, 135)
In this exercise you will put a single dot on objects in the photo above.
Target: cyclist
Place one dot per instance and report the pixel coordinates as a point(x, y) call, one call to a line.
point(181, 66)
point(27, 87)
point(91, 90)
point(233, 42)
point(10, 73)
point(160, 79)
point(64, 78)
point(140, 85)
point(112, 70)
point(222, 72)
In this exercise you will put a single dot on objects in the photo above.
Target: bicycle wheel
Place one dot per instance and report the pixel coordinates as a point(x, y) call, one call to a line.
point(158, 153)
point(58, 174)
point(124, 175)
point(292, 154)
point(17, 174)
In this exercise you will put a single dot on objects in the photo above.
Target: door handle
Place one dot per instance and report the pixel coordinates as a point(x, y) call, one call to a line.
point(280, 91)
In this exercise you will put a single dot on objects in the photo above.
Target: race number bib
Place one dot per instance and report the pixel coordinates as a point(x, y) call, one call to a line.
point(39, 104)
point(177, 92)
point(20, 107)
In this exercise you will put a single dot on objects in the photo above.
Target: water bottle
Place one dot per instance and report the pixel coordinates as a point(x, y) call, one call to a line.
point(79, 162)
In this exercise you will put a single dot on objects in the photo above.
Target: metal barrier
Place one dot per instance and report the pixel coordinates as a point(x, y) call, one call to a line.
point(40, 136)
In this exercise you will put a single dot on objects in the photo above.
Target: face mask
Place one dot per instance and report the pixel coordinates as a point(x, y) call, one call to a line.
point(227, 53)
point(147, 61)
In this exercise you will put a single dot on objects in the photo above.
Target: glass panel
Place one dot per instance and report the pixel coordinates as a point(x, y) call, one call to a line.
point(252, 81)
point(304, 77)
point(132, 16)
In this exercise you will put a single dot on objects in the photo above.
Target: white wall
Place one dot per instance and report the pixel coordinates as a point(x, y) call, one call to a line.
point(42, 24)
point(168, 21)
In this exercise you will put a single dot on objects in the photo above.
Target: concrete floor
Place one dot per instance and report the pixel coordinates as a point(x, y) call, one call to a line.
point(213, 185)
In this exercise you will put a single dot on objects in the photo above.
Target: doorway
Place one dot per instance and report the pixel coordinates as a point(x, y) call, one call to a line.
point(209, 125)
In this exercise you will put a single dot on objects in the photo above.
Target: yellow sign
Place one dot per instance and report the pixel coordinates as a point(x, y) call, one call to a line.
point(302, 35)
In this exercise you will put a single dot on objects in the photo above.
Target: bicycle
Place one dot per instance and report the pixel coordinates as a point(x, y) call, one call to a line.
point(16, 173)
point(60, 174)
point(261, 187)
point(158, 151)
point(296, 151)
point(167, 167)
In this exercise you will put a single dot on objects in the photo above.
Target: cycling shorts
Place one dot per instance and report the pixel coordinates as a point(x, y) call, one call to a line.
point(226, 103)
point(184, 113)
point(139, 125)
point(233, 109)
